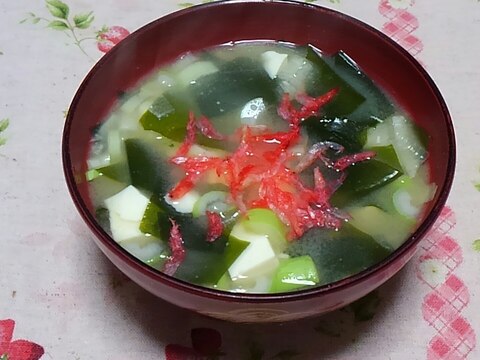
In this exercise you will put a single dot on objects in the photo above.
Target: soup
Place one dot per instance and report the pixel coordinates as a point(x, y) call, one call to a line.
point(259, 167)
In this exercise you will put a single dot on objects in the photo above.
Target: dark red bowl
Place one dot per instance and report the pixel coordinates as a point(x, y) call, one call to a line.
point(199, 27)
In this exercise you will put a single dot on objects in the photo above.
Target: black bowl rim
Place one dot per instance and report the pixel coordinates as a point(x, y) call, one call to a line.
point(201, 291)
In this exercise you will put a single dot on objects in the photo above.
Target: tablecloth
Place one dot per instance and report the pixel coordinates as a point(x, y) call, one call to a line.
point(61, 299)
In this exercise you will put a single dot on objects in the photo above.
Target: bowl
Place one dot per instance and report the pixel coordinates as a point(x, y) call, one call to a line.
point(199, 27)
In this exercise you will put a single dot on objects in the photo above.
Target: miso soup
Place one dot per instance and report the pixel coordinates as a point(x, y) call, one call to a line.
point(259, 167)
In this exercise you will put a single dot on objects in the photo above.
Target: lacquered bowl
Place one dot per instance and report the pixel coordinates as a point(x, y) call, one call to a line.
point(220, 22)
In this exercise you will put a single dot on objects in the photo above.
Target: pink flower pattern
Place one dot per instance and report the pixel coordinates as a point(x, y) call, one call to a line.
point(17, 349)
point(400, 26)
point(442, 307)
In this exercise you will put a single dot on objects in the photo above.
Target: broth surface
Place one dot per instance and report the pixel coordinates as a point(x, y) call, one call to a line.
point(259, 167)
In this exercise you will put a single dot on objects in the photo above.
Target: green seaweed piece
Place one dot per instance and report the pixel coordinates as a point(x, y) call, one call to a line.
point(237, 82)
point(387, 155)
point(340, 131)
point(168, 116)
point(205, 262)
point(325, 78)
point(148, 165)
point(347, 117)
point(207, 268)
point(332, 251)
point(362, 178)
point(117, 171)
point(376, 106)
point(150, 224)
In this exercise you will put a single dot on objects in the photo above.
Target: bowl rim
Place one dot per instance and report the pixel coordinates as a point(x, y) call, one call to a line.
point(202, 291)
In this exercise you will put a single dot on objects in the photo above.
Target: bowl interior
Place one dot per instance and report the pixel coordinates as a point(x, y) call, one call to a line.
point(197, 28)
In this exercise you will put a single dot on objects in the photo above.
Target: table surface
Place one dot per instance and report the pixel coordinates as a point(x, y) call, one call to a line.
point(61, 294)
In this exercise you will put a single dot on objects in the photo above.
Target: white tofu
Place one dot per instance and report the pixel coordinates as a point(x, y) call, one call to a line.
point(257, 259)
point(185, 203)
point(130, 204)
point(272, 61)
point(123, 229)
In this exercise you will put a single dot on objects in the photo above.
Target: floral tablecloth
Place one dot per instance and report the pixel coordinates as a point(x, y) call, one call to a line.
point(60, 293)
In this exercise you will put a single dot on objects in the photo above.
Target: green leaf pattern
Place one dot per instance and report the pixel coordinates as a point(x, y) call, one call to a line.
point(476, 245)
point(58, 8)
point(58, 25)
point(3, 126)
point(73, 26)
point(83, 21)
